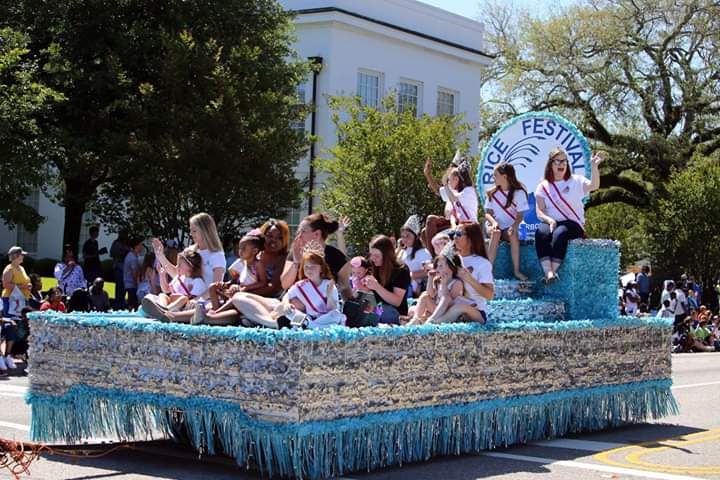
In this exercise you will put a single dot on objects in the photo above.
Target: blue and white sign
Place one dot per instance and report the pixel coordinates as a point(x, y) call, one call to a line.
point(525, 142)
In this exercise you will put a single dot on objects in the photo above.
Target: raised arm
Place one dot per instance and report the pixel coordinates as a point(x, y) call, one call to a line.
point(160, 255)
point(432, 183)
point(595, 162)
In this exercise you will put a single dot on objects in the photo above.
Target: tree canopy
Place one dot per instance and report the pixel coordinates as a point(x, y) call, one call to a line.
point(375, 169)
point(640, 77)
point(172, 107)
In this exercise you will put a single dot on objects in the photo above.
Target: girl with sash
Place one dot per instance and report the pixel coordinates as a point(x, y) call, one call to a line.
point(560, 207)
point(504, 208)
point(311, 301)
point(459, 195)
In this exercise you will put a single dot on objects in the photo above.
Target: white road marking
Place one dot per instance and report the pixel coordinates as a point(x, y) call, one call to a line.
point(16, 426)
point(589, 466)
point(13, 389)
point(16, 395)
point(585, 445)
point(693, 385)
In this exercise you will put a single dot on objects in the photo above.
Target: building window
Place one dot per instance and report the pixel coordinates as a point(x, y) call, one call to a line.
point(446, 102)
point(25, 238)
point(368, 88)
point(409, 94)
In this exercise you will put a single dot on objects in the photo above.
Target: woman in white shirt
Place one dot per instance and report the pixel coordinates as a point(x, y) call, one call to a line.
point(459, 195)
point(560, 207)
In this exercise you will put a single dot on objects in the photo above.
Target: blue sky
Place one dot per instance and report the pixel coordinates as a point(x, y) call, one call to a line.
point(471, 9)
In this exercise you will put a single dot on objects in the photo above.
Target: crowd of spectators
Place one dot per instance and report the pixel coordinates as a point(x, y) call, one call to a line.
point(695, 326)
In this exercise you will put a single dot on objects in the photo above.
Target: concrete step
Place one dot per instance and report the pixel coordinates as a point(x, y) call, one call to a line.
point(526, 309)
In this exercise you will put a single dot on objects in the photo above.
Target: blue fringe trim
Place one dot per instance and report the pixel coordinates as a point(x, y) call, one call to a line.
point(334, 334)
point(322, 449)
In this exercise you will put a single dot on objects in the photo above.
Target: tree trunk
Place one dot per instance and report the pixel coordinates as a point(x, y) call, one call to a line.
point(77, 195)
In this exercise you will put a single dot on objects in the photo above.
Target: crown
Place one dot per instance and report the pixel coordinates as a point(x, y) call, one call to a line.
point(412, 224)
point(313, 246)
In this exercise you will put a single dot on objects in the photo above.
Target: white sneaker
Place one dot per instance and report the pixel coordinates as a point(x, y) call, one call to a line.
point(10, 362)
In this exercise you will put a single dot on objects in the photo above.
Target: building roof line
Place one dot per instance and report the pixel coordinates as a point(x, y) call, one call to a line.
point(307, 11)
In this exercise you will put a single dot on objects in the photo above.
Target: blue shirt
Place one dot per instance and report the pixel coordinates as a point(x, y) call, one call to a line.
point(643, 282)
point(131, 265)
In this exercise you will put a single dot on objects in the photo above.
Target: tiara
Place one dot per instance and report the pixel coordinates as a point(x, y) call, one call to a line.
point(460, 161)
point(314, 246)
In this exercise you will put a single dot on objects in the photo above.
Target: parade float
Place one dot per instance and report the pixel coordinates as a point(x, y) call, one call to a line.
point(551, 360)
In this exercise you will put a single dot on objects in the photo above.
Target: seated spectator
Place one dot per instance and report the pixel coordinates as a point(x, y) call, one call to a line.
point(69, 273)
point(703, 339)
point(79, 301)
point(99, 298)
point(360, 308)
point(53, 300)
point(36, 297)
point(439, 241)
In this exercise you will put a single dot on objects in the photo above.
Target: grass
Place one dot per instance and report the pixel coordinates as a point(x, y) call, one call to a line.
point(50, 282)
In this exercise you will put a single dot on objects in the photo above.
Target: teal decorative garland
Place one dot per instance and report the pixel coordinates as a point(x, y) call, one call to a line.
point(335, 334)
point(323, 449)
point(558, 118)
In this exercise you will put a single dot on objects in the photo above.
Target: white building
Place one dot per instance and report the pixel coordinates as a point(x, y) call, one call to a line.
point(431, 58)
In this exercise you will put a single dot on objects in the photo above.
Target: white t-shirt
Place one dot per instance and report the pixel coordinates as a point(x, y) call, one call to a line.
point(246, 276)
point(465, 207)
point(565, 201)
point(505, 216)
point(211, 261)
point(196, 286)
point(681, 300)
point(481, 270)
point(414, 264)
point(315, 298)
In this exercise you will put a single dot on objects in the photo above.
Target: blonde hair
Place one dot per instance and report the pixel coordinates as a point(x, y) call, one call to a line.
point(206, 225)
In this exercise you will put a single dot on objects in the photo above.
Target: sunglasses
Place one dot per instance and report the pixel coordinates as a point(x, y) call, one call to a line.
point(560, 161)
point(458, 233)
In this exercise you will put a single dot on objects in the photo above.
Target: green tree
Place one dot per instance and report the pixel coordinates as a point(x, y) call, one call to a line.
point(22, 98)
point(685, 230)
point(172, 107)
point(375, 169)
point(639, 77)
point(622, 222)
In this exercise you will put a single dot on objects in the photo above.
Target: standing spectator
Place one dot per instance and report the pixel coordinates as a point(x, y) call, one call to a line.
point(13, 277)
point(643, 283)
point(669, 288)
point(131, 271)
point(692, 301)
point(681, 309)
point(91, 255)
point(118, 250)
point(666, 311)
point(69, 273)
point(149, 278)
point(632, 298)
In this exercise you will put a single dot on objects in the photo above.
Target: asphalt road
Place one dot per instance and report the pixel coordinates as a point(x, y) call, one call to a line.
point(681, 447)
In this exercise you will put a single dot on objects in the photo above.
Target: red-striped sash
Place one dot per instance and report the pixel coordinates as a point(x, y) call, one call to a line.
point(557, 207)
point(310, 303)
point(510, 214)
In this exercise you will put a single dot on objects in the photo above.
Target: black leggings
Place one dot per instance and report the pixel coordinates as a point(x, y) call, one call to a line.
point(553, 246)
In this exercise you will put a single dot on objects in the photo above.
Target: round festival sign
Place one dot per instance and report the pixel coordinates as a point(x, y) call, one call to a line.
point(525, 142)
